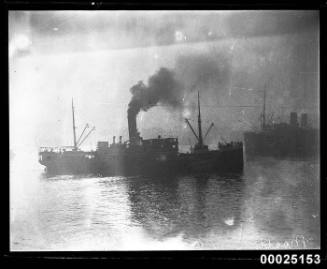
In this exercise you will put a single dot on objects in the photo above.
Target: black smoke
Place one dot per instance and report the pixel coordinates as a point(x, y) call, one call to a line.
point(173, 87)
point(163, 88)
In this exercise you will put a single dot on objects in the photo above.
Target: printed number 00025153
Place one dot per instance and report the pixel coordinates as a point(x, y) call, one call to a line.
point(290, 259)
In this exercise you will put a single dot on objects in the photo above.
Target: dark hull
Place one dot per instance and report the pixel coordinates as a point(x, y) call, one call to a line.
point(67, 164)
point(299, 144)
point(132, 164)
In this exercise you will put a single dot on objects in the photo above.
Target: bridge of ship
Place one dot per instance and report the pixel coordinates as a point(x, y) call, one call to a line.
point(157, 144)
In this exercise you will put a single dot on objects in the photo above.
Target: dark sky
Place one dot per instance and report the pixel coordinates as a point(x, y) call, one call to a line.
point(119, 30)
point(97, 56)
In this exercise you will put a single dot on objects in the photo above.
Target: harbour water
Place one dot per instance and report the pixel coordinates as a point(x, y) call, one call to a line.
point(274, 204)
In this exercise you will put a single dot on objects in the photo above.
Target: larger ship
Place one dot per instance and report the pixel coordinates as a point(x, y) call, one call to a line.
point(294, 140)
point(138, 156)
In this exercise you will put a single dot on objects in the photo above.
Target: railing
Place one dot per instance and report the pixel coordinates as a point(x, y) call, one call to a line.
point(56, 149)
point(229, 145)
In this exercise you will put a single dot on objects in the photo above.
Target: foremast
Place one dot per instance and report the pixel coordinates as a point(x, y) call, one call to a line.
point(200, 142)
point(74, 127)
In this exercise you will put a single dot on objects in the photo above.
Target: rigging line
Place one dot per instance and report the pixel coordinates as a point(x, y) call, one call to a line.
point(86, 136)
point(207, 132)
point(79, 139)
point(191, 127)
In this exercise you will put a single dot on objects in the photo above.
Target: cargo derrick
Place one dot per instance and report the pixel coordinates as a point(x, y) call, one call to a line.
point(68, 159)
point(227, 158)
point(199, 146)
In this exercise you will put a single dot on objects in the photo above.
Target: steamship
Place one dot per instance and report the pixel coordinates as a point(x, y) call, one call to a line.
point(293, 140)
point(138, 156)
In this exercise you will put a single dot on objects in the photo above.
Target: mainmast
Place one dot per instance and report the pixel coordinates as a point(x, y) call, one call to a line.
point(74, 128)
point(199, 123)
point(199, 146)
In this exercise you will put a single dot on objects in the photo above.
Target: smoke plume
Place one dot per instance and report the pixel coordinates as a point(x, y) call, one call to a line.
point(163, 88)
point(172, 87)
point(208, 72)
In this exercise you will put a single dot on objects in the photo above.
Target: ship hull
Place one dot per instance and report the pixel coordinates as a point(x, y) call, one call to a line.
point(298, 144)
point(159, 163)
point(72, 163)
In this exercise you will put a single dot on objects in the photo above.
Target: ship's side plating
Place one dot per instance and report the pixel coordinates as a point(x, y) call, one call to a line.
point(146, 157)
point(283, 140)
point(161, 156)
point(66, 161)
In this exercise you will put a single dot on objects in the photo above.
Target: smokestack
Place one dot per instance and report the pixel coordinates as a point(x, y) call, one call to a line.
point(162, 88)
point(293, 119)
point(132, 129)
point(304, 120)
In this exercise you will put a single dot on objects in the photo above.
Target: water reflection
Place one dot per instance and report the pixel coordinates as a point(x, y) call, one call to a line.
point(274, 205)
point(191, 206)
point(283, 202)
